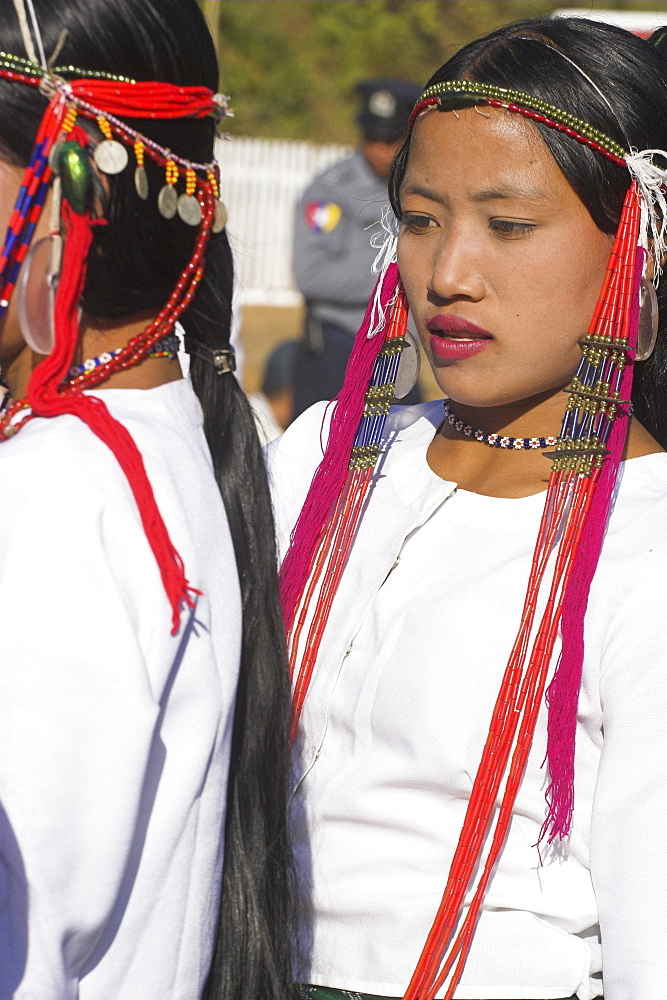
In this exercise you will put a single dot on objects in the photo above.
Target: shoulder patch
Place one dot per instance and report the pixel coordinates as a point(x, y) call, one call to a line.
point(322, 216)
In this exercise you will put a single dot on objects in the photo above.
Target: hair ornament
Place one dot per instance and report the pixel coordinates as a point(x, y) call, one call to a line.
point(189, 209)
point(223, 361)
point(652, 183)
point(167, 201)
point(140, 175)
point(110, 155)
point(385, 242)
point(72, 165)
point(62, 148)
point(221, 109)
point(220, 216)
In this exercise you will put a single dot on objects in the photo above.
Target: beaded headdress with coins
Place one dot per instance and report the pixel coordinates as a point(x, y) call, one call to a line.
point(65, 160)
point(585, 462)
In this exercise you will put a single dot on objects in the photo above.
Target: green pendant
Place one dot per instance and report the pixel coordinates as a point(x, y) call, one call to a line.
point(76, 175)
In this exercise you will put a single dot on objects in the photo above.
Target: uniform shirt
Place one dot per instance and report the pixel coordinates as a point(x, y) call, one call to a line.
point(114, 735)
point(333, 255)
point(397, 715)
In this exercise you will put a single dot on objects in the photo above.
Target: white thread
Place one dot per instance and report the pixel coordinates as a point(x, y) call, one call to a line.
point(38, 35)
point(652, 183)
point(19, 6)
point(385, 242)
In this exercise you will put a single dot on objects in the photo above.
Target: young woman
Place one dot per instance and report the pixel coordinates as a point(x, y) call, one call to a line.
point(142, 678)
point(474, 594)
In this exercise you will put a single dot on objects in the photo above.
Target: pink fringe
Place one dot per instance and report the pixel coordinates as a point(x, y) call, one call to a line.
point(563, 692)
point(332, 470)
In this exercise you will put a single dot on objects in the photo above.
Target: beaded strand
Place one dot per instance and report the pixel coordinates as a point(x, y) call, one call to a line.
point(525, 104)
point(336, 542)
point(19, 64)
point(496, 440)
point(165, 348)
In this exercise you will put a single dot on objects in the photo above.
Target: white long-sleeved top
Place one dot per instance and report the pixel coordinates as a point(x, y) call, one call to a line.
point(114, 735)
point(398, 712)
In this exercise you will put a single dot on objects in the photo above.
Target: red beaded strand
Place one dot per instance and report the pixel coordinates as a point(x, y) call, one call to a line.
point(333, 552)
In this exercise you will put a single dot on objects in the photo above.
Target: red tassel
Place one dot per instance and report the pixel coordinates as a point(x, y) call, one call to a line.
point(46, 401)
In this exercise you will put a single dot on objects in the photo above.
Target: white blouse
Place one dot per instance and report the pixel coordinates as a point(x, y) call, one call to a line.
point(114, 735)
point(398, 713)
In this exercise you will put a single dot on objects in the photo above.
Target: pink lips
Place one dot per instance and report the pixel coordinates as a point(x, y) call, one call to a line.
point(455, 338)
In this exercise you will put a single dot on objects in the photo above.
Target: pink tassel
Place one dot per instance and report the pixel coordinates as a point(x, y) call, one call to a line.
point(563, 692)
point(332, 471)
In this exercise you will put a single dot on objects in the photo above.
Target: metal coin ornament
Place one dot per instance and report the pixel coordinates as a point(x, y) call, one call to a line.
point(167, 201)
point(647, 332)
point(111, 156)
point(220, 217)
point(408, 366)
point(141, 182)
point(189, 209)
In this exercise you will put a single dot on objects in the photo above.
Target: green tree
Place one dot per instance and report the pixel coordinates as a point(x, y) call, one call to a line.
point(291, 65)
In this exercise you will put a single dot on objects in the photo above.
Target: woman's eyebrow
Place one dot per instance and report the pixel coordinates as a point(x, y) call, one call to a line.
point(503, 191)
point(418, 189)
point(508, 189)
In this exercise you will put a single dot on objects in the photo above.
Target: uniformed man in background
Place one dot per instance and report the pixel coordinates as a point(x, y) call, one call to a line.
point(333, 255)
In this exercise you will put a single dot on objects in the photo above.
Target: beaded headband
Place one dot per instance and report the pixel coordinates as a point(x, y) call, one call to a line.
point(62, 151)
point(585, 466)
point(462, 93)
point(111, 155)
point(652, 179)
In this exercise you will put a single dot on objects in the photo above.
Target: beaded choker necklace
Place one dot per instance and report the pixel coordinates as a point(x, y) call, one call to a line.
point(167, 347)
point(496, 440)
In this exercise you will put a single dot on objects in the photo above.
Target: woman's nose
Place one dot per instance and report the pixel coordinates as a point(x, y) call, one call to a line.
point(456, 272)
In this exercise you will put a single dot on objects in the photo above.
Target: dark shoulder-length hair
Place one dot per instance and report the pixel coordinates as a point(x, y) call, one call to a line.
point(133, 265)
point(619, 85)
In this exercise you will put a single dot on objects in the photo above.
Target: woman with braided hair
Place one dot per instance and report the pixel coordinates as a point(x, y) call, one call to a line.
point(474, 591)
point(143, 682)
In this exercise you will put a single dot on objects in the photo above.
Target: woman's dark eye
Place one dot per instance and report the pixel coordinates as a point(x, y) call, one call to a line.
point(417, 223)
point(505, 228)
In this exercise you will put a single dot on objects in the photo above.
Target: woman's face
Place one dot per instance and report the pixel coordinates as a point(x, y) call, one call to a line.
point(501, 261)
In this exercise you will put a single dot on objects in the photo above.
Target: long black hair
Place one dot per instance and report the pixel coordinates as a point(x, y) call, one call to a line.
point(133, 265)
point(632, 76)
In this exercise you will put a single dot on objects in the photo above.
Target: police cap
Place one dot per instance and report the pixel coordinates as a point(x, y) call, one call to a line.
point(386, 107)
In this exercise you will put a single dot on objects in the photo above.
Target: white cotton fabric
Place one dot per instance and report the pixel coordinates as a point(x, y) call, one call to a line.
point(114, 735)
point(398, 713)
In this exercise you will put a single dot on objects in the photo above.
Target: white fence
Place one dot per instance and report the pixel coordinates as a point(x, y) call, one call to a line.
point(261, 181)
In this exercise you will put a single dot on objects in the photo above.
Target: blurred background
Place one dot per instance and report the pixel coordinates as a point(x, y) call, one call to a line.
point(291, 68)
